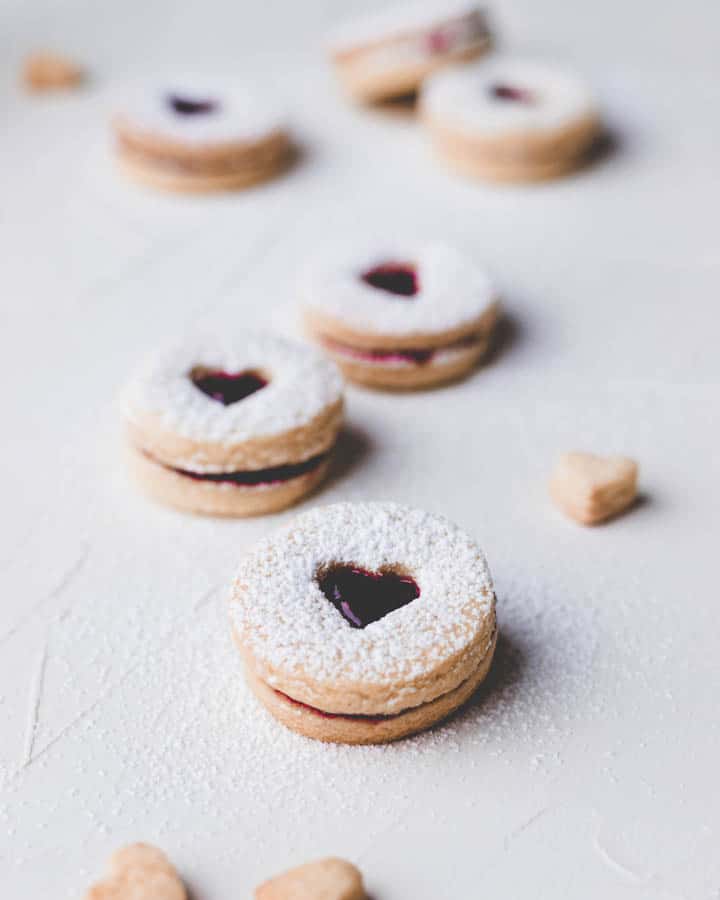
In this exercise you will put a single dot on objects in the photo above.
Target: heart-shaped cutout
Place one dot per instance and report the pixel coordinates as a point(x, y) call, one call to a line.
point(227, 387)
point(362, 597)
point(326, 879)
point(511, 93)
point(139, 872)
point(393, 277)
point(186, 106)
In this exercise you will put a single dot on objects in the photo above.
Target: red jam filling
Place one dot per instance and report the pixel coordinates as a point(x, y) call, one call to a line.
point(255, 477)
point(418, 357)
point(185, 106)
point(371, 720)
point(362, 597)
point(510, 93)
point(393, 277)
point(227, 387)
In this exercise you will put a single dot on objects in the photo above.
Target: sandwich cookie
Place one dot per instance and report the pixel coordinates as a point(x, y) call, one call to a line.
point(510, 120)
point(362, 623)
point(388, 54)
point(232, 426)
point(200, 135)
point(400, 316)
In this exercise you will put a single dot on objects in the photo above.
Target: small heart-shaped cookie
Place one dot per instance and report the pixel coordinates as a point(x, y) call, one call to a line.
point(139, 872)
point(590, 488)
point(326, 879)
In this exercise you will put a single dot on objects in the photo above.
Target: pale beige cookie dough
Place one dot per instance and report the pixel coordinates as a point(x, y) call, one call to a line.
point(506, 119)
point(325, 879)
point(48, 71)
point(592, 489)
point(387, 54)
point(139, 872)
point(362, 623)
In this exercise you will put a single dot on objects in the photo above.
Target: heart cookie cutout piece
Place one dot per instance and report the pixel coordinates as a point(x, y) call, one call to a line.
point(326, 879)
point(362, 597)
point(592, 489)
point(139, 872)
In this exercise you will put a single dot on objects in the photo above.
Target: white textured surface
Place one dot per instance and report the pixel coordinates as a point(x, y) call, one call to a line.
point(452, 288)
point(462, 97)
point(588, 768)
point(301, 384)
point(278, 609)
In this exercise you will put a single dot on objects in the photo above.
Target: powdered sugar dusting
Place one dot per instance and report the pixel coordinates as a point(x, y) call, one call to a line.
point(279, 610)
point(302, 383)
point(463, 96)
point(238, 113)
point(453, 289)
point(397, 20)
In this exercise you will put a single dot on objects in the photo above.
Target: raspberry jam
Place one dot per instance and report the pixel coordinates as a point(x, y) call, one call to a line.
point(184, 106)
point(362, 597)
point(227, 387)
point(394, 278)
point(510, 93)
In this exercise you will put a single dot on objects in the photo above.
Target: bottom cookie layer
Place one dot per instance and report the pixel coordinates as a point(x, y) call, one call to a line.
point(340, 729)
point(520, 158)
point(198, 183)
point(221, 498)
point(427, 369)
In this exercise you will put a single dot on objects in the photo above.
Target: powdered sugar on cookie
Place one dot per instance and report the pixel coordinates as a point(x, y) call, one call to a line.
point(279, 612)
point(301, 384)
point(452, 290)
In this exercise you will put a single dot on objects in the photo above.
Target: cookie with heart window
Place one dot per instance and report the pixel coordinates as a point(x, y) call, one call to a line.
point(232, 425)
point(506, 119)
point(387, 54)
point(197, 134)
point(401, 316)
point(362, 623)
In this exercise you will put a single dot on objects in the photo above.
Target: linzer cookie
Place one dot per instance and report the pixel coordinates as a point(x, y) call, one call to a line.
point(362, 623)
point(506, 119)
point(232, 426)
point(388, 54)
point(199, 135)
point(403, 316)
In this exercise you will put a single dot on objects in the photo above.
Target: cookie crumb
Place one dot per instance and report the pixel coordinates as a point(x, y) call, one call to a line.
point(325, 879)
point(47, 71)
point(592, 489)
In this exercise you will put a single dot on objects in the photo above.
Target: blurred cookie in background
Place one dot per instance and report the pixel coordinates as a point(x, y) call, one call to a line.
point(506, 119)
point(198, 134)
point(387, 54)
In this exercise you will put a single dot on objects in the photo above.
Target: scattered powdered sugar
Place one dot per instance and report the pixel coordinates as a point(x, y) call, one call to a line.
point(464, 96)
point(397, 20)
point(278, 608)
point(452, 289)
point(302, 383)
point(237, 111)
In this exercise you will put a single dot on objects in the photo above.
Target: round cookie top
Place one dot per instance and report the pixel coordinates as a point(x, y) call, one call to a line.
point(502, 95)
point(400, 19)
point(228, 389)
point(306, 600)
point(423, 288)
point(200, 112)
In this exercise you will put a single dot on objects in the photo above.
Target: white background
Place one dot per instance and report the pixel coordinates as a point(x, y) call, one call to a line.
point(588, 767)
